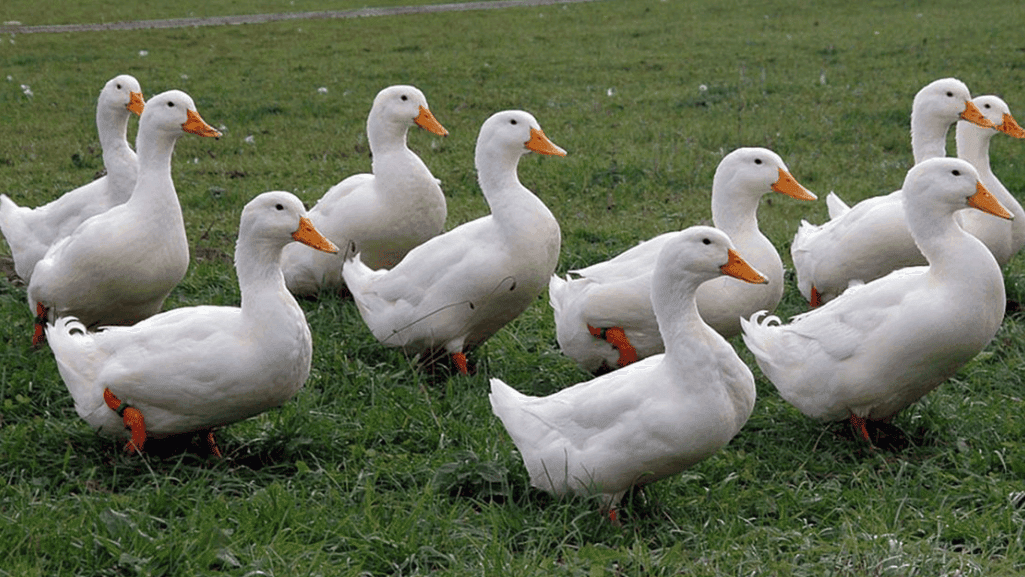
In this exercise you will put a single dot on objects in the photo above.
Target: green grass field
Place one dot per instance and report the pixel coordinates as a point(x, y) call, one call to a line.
point(378, 467)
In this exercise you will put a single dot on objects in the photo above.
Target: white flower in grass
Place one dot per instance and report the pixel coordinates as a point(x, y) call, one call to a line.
point(250, 139)
point(610, 92)
point(322, 90)
point(27, 90)
point(144, 53)
point(702, 88)
point(185, 77)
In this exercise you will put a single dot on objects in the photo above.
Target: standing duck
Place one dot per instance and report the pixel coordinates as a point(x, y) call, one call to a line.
point(881, 346)
point(457, 289)
point(382, 215)
point(871, 239)
point(195, 368)
point(118, 267)
point(604, 319)
point(656, 417)
point(30, 232)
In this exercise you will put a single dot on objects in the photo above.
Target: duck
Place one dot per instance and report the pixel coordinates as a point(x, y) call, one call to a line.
point(1003, 238)
point(30, 232)
point(882, 345)
point(871, 238)
point(384, 214)
point(651, 419)
point(604, 317)
point(196, 368)
point(118, 266)
point(453, 292)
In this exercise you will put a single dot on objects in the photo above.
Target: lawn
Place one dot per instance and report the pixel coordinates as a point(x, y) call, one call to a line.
point(380, 467)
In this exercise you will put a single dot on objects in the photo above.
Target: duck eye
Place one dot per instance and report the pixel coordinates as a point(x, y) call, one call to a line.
point(706, 241)
point(758, 161)
point(949, 93)
point(986, 106)
point(955, 172)
point(279, 206)
point(513, 121)
point(119, 87)
point(404, 98)
point(170, 104)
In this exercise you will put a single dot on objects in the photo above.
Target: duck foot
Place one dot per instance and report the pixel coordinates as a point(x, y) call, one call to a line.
point(460, 361)
point(132, 418)
point(616, 337)
point(880, 434)
point(859, 427)
point(39, 332)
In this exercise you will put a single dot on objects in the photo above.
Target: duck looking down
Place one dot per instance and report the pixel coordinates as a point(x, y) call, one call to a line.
point(604, 318)
point(881, 346)
point(117, 267)
point(380, 215)
point(30, 232)
point(656, 417)
point(457, 289)
point(195, 368)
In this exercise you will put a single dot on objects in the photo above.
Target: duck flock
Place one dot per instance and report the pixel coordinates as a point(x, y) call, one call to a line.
point(904, 289)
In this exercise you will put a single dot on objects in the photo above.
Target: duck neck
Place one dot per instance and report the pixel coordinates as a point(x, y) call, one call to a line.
point(384, 137)
point(928, 137)
point(676, 310)
point(935, 233)
point(508, 199)
point(154, 185)
point(735, 214)
point(112, 126)
point(259, 275)
point(973, 146)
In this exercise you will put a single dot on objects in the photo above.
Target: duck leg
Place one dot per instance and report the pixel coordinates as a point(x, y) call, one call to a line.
point(859, 427)
point(460, 361)
point(816, 298)
point(39, 334)
point(616, 337)
point(212, 444)
point(132, 418)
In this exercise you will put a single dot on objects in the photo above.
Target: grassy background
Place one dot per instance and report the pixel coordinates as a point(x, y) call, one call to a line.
point(380, 468)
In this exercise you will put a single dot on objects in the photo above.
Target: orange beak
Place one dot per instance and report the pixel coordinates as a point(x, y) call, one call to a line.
point(196, 125)
point(428, 122)
point(1011, 127)
point(984, 200)
point(309, 236)
point(789, 186)
point(136, 104)
point(540, 144)
point(737, 267)
point(972, 114)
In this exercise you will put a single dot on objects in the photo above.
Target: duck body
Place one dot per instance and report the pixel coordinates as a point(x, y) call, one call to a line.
point(118, 266)
point(651, 419)
point(881, 346)
point(454, 291)
point(616, 293)
point(871, 239)
point(381, 215)
point(194, 368)
point(30, 232)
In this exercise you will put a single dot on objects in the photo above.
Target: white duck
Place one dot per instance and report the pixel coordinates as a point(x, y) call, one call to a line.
point(119, 266)
point(384, 214)
point(457, 289)
point(881, 346)
point(1004, 239)
point(604, 318)
point(651, 419)
point(30, 232)
point(871, 238)
point(195, 368)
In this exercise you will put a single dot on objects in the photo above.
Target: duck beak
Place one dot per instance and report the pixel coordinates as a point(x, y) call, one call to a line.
point(789, 186)
point(428, 122)
point(1011, 127)
point(737, 267)
point(311, 237)
point(972, 114)
point(984, 200)
point(136, 103)
point(540, 144)
point(196, 125)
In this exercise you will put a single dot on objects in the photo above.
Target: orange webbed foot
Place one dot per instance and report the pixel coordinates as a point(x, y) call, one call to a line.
point(816, 298)
point(859, 427)
point(460, 361)
point(212, 444)
point(616, 337)
point(39, 332)
point(132, 419)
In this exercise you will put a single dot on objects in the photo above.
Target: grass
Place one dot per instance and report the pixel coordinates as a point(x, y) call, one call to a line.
point(378, 467)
